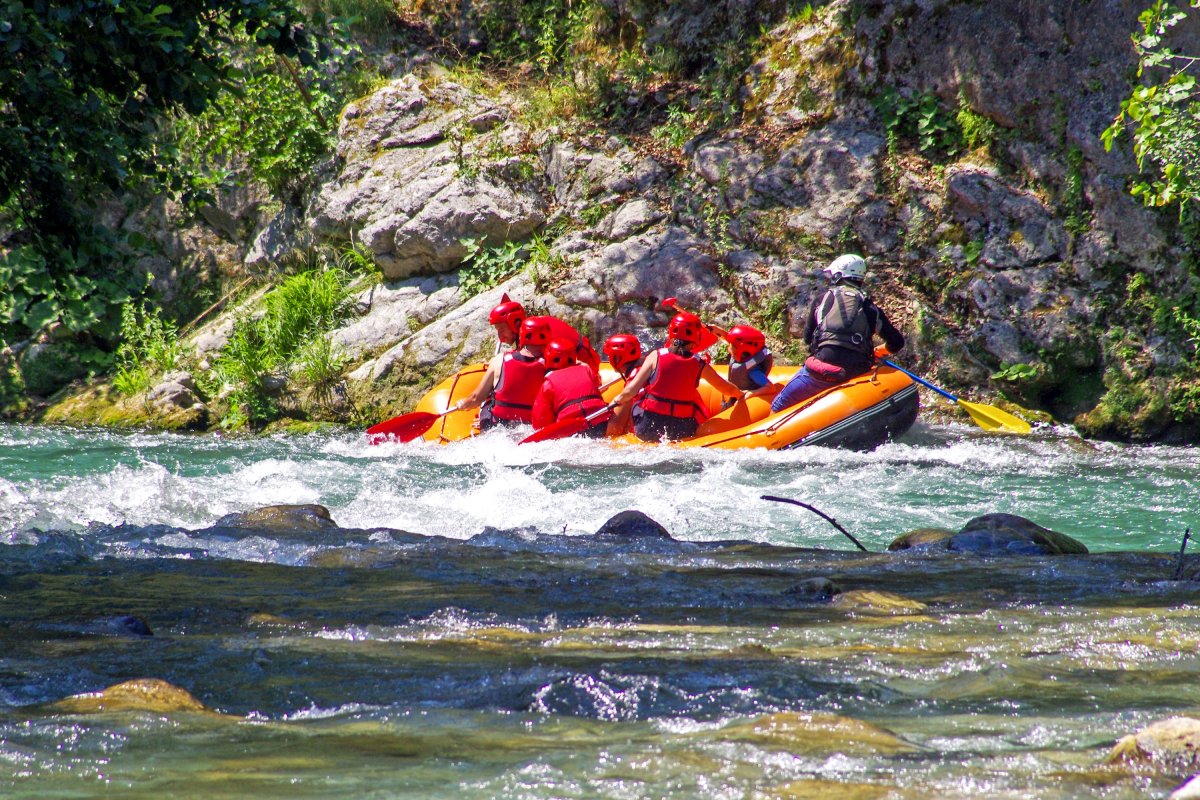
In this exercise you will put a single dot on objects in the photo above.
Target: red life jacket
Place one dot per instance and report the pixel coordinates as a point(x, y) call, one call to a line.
point(576, 392)
point(520, 378)
point(672, 389)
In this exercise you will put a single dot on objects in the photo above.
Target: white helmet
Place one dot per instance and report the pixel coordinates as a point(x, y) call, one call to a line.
point(847, 267)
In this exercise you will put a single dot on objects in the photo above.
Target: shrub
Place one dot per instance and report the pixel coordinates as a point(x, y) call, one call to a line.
point(149, 345)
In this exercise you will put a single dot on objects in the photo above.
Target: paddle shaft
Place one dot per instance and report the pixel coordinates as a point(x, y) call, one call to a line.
point(921, 381)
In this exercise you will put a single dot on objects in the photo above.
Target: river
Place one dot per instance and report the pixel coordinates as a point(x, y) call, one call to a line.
point(462, 634)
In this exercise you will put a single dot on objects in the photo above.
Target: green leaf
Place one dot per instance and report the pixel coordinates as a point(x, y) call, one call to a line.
point(40, 314)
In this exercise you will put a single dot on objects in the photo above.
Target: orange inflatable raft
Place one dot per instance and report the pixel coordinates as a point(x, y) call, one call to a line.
point(859, 414)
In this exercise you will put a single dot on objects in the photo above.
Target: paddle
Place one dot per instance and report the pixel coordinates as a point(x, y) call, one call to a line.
point(566, 427)
point(403, 428)
point(987, 417)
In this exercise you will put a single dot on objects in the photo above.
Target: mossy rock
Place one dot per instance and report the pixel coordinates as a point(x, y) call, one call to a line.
point(992, 534)
point(869, 601)
point(142, 694)
point(1171, 745)
point(921, 537)
point(301, 517)
point(817, 734)
point(1130, 411)
point(1009, 534)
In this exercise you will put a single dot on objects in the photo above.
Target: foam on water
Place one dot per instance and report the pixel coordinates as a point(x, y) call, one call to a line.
point(1109, 496)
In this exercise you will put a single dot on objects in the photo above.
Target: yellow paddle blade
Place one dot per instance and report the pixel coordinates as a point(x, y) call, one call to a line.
point(991, 418)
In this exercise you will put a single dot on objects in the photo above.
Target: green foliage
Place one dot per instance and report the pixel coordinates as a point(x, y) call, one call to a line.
point(977, 130)
point(681, 125)
point(1077, 218)
point(279, 120)
point(921, 119)
point(319, 364)
point(1164, 115)
point(149, 345)
point(543, 265)
point(773, 314)
point(1015, 373)
point(83, 87)
point(485, 267)
point(294, 315)
point(83, 290)
point(370, 18)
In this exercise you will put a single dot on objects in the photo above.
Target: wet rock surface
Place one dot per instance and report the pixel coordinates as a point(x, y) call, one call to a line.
point(991, 535)
point(302, 517)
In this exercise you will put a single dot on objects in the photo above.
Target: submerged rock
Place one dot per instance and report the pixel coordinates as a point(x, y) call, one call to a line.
point(632, 525)
point(814, 589)
point(1172, 744)
point(142, 694)
point(869, 601)
point(306, 516)
point(799, 733)
point(125, 625)
point(993, 535)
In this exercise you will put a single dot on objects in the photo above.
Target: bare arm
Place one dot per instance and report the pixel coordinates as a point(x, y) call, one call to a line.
point(720, 384)
point(484, 390)
point(642, 377)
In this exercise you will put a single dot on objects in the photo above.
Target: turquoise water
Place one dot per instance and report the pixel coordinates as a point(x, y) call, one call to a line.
point(461, 634)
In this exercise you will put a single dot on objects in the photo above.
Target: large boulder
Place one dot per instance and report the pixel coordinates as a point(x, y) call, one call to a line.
point(426, 165)
point(992, 534)
point(632, 525)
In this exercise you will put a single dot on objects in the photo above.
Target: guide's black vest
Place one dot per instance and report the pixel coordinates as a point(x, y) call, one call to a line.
point(842, 320)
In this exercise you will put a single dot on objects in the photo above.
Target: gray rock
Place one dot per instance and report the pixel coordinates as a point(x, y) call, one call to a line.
point(176, 390)
point(828, 176)
point(632, 525)
point(628, 220)
point(392, 312)
point(284, 234)
point(420, 175)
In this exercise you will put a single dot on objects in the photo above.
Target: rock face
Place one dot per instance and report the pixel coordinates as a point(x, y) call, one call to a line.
point(424, 166)
point(1012, 248)
point(993, 535)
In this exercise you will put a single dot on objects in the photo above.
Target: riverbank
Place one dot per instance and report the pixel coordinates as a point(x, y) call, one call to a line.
point(996, 225)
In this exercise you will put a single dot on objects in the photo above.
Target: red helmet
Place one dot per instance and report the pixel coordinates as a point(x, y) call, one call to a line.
point(745, 341)
point(685, 327)
point(535, 331)
point(622, 349)
point(559, 353)
point(510, 313)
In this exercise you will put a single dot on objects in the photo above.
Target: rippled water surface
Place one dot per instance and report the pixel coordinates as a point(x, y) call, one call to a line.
point(462, 633)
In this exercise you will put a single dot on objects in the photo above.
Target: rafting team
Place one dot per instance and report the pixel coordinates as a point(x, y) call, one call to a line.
point(551, 372)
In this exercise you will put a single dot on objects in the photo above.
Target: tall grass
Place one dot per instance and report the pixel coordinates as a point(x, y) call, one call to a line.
point(288, 334)
point(149, 346)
